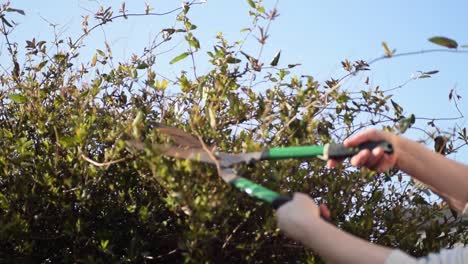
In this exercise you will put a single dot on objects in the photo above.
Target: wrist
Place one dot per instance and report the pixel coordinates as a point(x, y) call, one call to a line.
point(398, 143)
point(314, 231)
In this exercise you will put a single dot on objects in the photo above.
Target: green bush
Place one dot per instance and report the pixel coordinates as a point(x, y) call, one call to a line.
point(72, 190)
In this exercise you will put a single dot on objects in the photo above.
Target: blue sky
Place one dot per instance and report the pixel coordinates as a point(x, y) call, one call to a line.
point(317, 34)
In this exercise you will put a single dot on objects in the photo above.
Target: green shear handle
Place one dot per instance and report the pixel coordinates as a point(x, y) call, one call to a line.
point(328, 151)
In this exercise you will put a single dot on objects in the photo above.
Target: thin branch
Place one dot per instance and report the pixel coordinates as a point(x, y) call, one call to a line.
point(262, 43)
point(210, 153)
point(352, 73)
point(125, 16)
point(104, 164)
point(416, 53)
point(163, 255)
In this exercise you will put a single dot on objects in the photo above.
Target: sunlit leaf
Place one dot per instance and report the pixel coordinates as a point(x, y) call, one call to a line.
point(18, 98)
point(389, 53)
point(100, 52)
point(41, 65)
point(94, 60)
point(443, 41)
point(179, 58)
point(406, 123)
point(212, 117)
point(194, 43)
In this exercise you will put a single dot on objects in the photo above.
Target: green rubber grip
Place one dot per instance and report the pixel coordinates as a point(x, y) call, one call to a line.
point(255, 190)
point(293, 152)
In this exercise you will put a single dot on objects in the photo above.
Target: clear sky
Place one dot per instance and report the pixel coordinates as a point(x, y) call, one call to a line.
point(317, 34)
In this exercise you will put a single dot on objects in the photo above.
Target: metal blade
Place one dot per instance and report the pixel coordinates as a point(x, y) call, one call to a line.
point(181, 137)
point(224, 160)
point(186, 153)
point(228, 175)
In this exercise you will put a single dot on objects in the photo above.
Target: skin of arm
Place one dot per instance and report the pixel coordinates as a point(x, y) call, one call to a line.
point(444, 176)
point(300, 220)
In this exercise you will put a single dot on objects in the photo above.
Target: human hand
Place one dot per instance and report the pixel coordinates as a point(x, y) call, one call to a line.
point(376, 159)
point(299, 215)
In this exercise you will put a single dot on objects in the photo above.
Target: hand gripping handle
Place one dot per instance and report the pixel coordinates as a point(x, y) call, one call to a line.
point(339, 151)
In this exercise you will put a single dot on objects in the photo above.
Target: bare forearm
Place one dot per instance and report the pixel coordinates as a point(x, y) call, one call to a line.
point(336, 246)
point(447, 177)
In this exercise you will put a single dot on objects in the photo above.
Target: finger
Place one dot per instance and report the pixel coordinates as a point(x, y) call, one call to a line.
point(388, 162)
point(332, 163)
point(375, 158)
point(361, 158)
point(364, 136)
point(325, 212)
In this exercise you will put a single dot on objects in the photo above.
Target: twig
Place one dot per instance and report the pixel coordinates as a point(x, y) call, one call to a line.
point(163, 255)
point(74, 45)
point(234, 231)
point(340, 81)
point(416, 53)
point(252, 74)
point(98, 164)
point(210, 153)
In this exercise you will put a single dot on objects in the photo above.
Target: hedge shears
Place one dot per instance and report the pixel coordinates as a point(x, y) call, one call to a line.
point(192, 148)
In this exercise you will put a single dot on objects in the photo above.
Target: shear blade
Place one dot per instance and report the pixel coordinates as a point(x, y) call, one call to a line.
point(184, 153)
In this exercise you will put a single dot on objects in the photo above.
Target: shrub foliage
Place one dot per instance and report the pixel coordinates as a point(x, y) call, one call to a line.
point(72, 190)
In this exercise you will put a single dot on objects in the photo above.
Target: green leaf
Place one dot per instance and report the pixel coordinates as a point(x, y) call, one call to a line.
point(293, 65)
point(161, 85)
point(251, 3)
point(59, 57)
point(275, 59)
point(180, 57)
point(194, 43)
point(424, 76)
point(18, 98)
point(406, 123)
point(283, 74)
point(68, 141)
point(104, 244)
point(41, 65)
point(19, 11)
point(397, 107)
point(100, 52)
point(6, 22)
point(443, 41)
point(232, 60)
point(142, 66)
point(431, 72)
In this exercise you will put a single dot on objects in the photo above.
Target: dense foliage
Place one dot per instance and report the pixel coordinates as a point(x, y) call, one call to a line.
point(72, 190)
